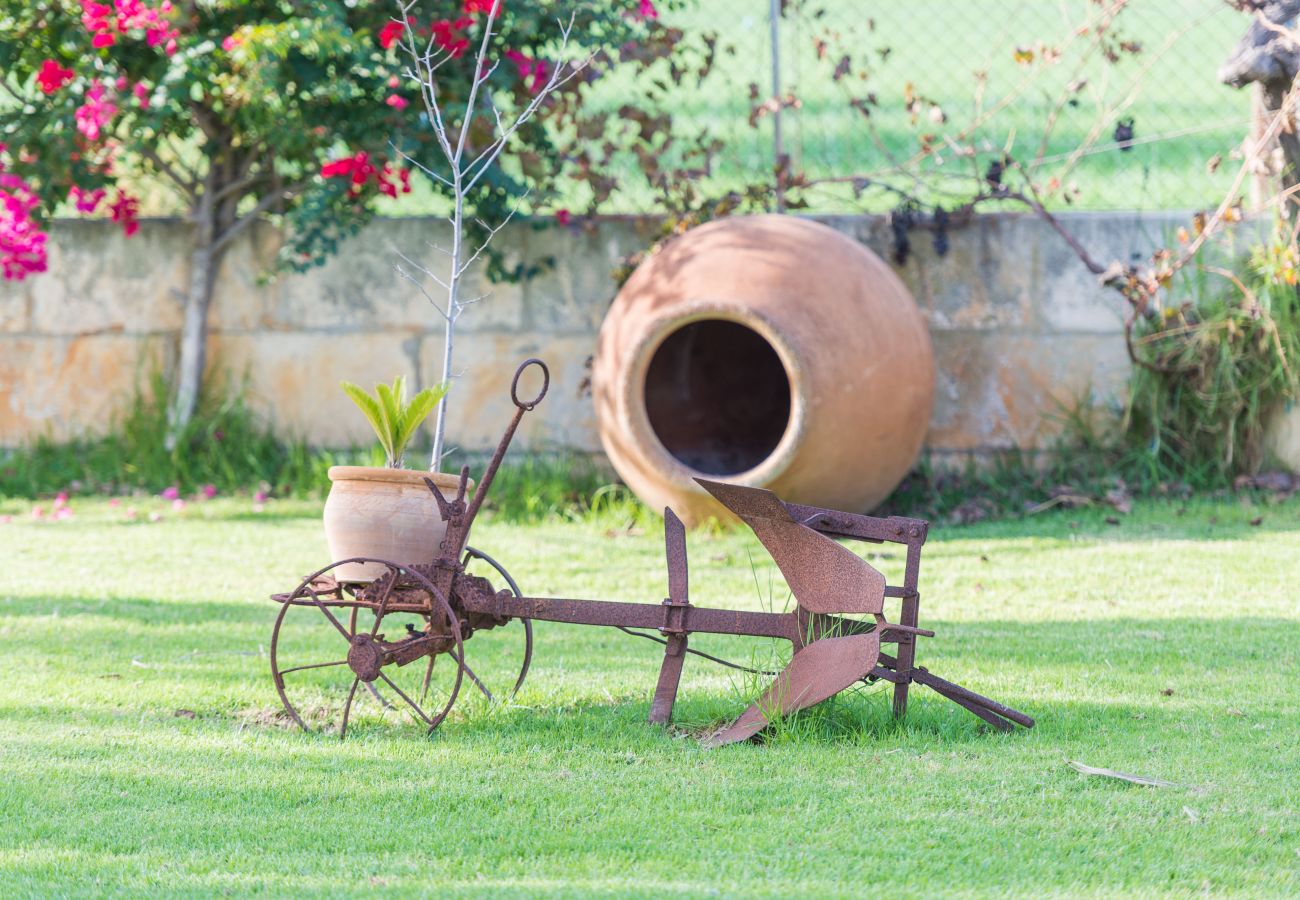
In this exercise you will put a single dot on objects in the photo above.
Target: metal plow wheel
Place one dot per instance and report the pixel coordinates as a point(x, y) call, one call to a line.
point(344, 654)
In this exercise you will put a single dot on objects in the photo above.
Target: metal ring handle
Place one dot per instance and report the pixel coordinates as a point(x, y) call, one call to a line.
point(514, 385)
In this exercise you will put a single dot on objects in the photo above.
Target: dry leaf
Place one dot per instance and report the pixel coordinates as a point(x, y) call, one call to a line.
point(1121, 776)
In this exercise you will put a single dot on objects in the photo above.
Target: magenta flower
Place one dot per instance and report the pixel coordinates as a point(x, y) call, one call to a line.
point(86, 201)
point(62, 513)
point(22, 243)
point(178, 504)
point(259, 497)
point(95, 113)
point(170, 493)
point(53, 76)
point(397, 101)
point(209, 491)
point(61, 500)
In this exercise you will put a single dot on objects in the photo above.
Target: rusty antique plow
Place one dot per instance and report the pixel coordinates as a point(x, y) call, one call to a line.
point(401, 644)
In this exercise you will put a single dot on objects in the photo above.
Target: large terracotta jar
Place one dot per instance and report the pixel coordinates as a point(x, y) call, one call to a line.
point(769, 351)
point(385, 514)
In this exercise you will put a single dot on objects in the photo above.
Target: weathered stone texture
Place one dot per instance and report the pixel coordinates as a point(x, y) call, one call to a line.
point(1021, 329)
point(63, 386)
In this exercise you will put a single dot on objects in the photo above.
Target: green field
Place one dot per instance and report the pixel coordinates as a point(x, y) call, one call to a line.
point(1165, 645)
point(1182, 115)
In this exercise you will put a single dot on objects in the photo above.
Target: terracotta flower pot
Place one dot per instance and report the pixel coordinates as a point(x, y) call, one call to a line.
point(383, 514)
point(769, 351)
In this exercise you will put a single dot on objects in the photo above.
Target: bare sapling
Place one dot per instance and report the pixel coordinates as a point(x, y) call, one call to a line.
point(466, 164)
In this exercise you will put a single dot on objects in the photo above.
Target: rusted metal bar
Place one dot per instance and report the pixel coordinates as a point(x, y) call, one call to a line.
point(833, 523)
point(953, 691)
point(908, 616)
point(670, 671)
point(635, 615)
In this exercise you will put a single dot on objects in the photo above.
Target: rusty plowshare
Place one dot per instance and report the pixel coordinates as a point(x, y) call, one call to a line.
point(443, 605)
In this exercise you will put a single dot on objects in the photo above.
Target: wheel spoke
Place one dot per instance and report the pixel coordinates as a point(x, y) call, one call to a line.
point(419, 712)
point(370, 686)
point(383, 602)
point(341, 662)
point(347, 708)
point(329, 615)
point(472, 677)
point(428, 676)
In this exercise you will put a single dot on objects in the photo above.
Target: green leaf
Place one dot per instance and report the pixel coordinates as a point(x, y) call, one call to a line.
point(374, 415)
point(418, 410)
point(390, 411)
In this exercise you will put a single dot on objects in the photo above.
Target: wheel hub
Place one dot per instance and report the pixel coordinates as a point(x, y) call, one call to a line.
point(365, 657)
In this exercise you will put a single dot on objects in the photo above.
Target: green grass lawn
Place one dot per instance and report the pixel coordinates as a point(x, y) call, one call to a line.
point(1165, 645)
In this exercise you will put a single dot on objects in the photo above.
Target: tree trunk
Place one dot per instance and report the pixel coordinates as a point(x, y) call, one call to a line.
point(204, 260)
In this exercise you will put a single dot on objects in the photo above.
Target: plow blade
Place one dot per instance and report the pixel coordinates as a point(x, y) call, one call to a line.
point(824, 576)
point(819, 670)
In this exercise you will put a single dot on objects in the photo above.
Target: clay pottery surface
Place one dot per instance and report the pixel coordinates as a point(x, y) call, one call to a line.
point(383, 514)
point(769, 351)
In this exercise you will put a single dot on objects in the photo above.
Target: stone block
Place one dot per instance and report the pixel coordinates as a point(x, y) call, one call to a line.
point(16, 305)
point(361, 288)
point(102, 281)
point(293, 379)
point(572, 295)
point(985, 280)
point(65, 386)
point(999, 391)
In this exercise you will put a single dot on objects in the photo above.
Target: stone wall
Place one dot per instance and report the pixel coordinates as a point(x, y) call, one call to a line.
point(1020, 329)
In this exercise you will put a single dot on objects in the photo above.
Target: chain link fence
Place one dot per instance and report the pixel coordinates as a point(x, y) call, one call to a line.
point(1132, 119)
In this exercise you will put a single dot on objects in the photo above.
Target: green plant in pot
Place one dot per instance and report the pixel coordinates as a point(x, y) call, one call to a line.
point(385, 512)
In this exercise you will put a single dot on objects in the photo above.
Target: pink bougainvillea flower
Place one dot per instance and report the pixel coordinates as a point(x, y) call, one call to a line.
point(142, 93)
point(259, 497)
point(53, 76)
point(534, 72)
point(563, 216)
point(231, 42)
point(393, 81)
point(94, 16)
point(95, 113)
point(397, 101)
point(125, 210)
point(450, 37)
point(170, 493)
point(209, 491)
point(646, 10)
point(86, 201)
point(63, 513)
point(38, 512)
point(22, 243)
point(61, 500)
point(178, 504)
point(106, 22)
